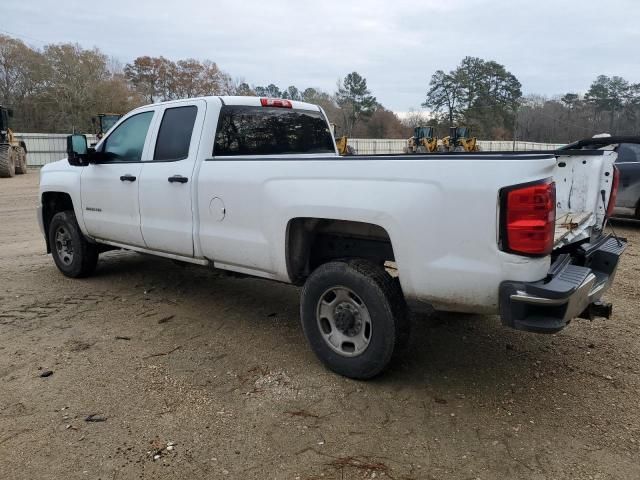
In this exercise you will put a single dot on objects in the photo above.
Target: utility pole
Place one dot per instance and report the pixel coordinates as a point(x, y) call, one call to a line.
point(515, 129)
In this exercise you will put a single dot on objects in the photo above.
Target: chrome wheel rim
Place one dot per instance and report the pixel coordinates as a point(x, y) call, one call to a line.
point(64, 245)
point(344, 321)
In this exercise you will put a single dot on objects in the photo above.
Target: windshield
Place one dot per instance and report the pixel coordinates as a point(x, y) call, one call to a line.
point(4, 123)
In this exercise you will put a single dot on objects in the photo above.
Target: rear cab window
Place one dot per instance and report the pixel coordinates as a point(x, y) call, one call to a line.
point(256, 130)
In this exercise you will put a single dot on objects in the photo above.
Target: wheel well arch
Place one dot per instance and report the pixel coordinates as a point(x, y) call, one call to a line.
point(312, 241)
point(52, 203)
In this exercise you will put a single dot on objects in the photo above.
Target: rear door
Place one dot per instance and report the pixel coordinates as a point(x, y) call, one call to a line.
point(109, 189)
point(166, 181)
point(250, 141)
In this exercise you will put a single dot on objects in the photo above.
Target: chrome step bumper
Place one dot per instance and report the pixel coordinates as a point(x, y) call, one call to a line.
point(573, 288)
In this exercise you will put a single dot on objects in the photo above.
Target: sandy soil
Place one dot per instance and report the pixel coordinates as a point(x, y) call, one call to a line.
point(218, 369)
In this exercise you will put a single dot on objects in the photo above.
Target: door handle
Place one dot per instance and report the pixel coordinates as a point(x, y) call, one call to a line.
point(178, 178)
point(127, 178)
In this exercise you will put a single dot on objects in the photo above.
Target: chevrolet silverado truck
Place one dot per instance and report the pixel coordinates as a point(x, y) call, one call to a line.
point(256, 186)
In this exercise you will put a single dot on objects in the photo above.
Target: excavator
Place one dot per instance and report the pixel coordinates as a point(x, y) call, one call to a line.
point(13, 153)
point(422, 141)
point(459, 140)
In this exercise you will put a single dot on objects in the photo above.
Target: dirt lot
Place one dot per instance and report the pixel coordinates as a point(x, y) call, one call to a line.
point(218, 368)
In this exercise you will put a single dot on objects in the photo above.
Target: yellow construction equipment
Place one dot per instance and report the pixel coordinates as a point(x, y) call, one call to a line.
point(341, 142)
point(13, 153)
point(459, 140)
point(422, 141)
point(103, 122)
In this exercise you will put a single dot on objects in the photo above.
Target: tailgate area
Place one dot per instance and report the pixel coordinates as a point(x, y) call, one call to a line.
point(568, 223)
point(573, 288)
point(583, 186)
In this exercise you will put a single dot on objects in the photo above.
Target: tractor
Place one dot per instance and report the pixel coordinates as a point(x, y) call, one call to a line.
point(13, 153)
point(422, 141)
point(342, 143)
point(459, 140)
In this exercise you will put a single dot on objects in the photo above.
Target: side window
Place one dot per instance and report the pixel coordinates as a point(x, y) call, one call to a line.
point(628, 152)
point(245, 130)
point(174, 136)
point(126, 142)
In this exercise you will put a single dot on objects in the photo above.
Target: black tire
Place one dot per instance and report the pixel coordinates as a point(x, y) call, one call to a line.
point(385, 307)
point(7, 161)
point(21, 161)
point(74, 256)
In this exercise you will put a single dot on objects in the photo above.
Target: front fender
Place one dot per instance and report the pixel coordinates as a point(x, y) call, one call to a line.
point(60, 177)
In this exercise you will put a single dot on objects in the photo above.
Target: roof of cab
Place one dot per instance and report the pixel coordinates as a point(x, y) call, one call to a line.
point(255, 102)
point(239, 100)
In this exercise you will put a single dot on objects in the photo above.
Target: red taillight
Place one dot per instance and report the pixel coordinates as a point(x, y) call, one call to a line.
point(614, 191)
point(276, 102)
point(528, 218)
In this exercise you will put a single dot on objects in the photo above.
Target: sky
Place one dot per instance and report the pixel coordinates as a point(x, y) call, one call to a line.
point(552, 47)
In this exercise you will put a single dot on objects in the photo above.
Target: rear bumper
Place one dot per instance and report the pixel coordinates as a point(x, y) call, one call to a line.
point(572, 288)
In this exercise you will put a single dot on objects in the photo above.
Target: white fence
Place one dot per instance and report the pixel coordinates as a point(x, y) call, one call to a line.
point(45, 148)
point(373, 146)
point(504, 146)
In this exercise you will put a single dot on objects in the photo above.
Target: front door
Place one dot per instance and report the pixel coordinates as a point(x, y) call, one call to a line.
point(166, 181)
point(109, 188)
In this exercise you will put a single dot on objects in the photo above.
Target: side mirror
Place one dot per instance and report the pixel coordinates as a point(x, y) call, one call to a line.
point(77, 151)
point(10, 112)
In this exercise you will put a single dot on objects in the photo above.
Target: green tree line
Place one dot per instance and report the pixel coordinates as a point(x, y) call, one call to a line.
point(487, 97)
point(60, 87)
point(611, 105)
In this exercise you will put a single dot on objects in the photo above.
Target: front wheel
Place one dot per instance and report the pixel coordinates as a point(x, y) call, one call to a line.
point(7, 161)
point(354, 316)
point(74, 256)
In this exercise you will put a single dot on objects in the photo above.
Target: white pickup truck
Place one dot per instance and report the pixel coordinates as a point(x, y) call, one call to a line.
point(255, 186)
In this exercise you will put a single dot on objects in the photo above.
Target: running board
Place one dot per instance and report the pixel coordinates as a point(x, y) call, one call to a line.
point(159, 253)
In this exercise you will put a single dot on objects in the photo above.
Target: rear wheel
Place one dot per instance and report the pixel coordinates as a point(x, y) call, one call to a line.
point(73, 255)
point(7, 161)
point(354, 316)
point(21, 160)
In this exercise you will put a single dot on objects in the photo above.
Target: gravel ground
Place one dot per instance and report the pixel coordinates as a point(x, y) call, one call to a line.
point(187, 373)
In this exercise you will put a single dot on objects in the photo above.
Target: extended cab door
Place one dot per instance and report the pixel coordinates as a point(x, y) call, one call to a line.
point(166, 183)
point(109, 188)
